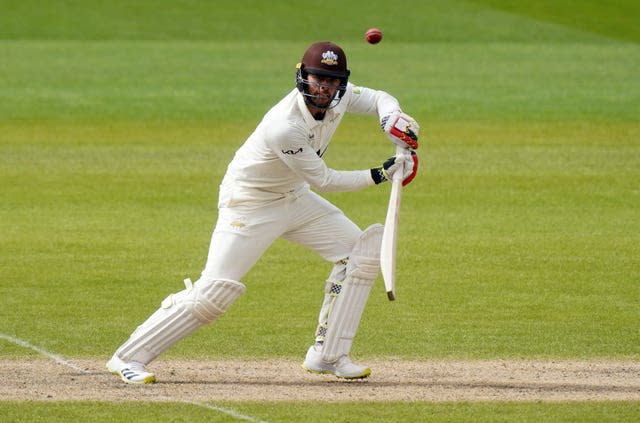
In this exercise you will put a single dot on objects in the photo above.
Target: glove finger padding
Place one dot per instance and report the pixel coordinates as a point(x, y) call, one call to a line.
point(410, 169)
point(401, 129)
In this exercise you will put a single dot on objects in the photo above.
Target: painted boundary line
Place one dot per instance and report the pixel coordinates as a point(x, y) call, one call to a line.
point(61, 360)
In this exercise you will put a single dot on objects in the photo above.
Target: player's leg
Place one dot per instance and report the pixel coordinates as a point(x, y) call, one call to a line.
point(356, 263)
point(343, 307)
point(322, 227)
point(233, 251)
point(179, 315)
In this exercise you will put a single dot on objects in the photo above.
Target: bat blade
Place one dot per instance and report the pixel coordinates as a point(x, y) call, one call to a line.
point(388, 250)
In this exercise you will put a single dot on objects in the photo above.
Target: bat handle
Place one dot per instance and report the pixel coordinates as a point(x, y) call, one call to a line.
point(401, 151)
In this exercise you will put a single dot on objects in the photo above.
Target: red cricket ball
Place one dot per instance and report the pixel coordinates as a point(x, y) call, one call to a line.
point(373, 36)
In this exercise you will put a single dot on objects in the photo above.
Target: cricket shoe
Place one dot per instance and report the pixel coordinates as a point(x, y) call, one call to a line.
point(342, 368)
point(130, 372)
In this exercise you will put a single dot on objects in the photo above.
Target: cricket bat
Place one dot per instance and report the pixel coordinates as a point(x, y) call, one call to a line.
point(390, 233)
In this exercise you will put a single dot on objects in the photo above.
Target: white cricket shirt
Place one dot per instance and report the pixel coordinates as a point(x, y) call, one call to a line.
point(284, 153)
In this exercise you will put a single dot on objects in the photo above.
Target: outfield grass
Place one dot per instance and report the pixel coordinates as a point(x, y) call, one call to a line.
point(520, 237)
point(594, 412)
point(530, 246)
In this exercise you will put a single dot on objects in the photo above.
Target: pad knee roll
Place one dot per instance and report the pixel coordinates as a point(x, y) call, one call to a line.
point(209, 300)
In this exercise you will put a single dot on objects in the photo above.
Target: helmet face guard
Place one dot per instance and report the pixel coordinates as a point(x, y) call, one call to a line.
point(302, 83)
point(323, 59)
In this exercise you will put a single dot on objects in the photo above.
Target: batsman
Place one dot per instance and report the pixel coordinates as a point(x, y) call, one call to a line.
point(269, 191)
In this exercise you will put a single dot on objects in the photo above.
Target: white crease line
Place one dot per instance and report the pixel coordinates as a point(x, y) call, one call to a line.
point(231, 412)
point(60, 360)
point(42, 351)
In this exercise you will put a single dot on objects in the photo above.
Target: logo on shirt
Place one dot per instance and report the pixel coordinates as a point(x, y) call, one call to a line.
point(292, 152)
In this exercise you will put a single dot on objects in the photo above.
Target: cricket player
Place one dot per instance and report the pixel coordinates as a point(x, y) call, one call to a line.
point(266, 194)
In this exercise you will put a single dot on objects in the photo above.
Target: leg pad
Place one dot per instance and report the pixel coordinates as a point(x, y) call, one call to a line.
point(347, 308)
point(179, 315)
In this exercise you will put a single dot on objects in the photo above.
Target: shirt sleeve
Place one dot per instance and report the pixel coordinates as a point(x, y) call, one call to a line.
point(367, 101)
point(290, 144)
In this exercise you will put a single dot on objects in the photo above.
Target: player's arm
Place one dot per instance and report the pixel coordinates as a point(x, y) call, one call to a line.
point(293, 149)
point(367, 101)
point(400, 128)
point(298, 155)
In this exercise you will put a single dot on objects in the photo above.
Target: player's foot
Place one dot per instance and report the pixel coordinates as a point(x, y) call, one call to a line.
point(342, 368)
point(130, 372)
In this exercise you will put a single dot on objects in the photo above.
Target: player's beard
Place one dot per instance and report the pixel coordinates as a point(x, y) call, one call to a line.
point(323, 100)
point(320, 100)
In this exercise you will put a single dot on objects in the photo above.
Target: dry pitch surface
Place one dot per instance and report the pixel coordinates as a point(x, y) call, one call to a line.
point(284, 380)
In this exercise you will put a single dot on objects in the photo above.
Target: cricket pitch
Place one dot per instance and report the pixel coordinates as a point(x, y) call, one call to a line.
point(284, 380)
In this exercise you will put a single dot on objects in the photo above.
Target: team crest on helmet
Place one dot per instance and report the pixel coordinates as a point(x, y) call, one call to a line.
point(329, 58)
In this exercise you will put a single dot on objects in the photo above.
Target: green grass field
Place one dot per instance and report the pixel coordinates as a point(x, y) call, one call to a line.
point(520, 238)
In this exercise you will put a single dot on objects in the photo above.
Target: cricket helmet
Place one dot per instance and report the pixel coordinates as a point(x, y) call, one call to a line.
point(326, 59)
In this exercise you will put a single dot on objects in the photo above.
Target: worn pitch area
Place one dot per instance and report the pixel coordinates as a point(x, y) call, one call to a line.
point(284, 380)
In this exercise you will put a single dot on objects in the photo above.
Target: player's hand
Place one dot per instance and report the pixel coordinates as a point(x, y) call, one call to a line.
point(401, 129)
point(405, 163)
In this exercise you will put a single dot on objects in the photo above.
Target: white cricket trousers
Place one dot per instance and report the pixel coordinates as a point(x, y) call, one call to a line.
point(243, 233)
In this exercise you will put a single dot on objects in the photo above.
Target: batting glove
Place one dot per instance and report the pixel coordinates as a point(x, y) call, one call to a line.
point(401, 129)
point(405, 163)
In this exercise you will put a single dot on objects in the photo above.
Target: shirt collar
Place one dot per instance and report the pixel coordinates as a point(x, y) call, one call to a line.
point(308, 117)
